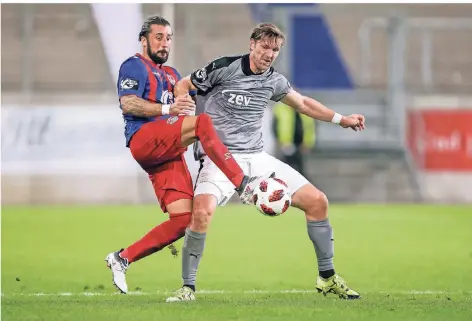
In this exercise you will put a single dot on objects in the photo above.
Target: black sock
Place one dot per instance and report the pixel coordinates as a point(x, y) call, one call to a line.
point(327, 274)
point(190, 286)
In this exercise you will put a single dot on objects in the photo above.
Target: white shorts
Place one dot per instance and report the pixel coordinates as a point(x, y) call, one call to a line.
point(211, 180)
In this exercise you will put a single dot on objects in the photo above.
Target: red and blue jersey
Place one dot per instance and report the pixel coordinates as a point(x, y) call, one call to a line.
point(143, 78)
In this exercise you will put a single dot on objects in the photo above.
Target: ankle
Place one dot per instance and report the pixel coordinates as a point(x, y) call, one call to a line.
point(190, 286)
point(242, 185)
point(327, 274)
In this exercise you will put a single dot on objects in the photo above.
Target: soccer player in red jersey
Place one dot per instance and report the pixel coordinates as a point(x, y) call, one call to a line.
point(158, 130)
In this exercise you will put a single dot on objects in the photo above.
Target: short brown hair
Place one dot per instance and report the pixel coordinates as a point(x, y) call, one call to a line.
point(266, 30)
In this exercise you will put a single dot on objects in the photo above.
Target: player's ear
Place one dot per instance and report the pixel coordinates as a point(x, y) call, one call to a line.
point(252, 44)
point(143, 41)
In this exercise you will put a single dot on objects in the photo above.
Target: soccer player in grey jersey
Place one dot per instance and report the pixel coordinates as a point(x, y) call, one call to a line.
point(237, 90)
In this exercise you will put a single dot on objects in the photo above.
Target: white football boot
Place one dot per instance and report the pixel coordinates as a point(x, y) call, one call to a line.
point(118, 267)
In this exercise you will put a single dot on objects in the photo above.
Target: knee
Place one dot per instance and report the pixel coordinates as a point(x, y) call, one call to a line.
point(204, 123)
point(204, 126)
point(205, 119)
point(322, 200)
point(201, 218)
point(319, 208)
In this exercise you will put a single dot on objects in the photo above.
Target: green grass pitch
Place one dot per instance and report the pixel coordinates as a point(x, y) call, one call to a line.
point(409, 262)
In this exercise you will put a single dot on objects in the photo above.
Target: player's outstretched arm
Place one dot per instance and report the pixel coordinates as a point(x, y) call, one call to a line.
point(136, 106)
point(314, 109)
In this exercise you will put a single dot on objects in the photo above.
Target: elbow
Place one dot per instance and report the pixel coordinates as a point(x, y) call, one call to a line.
point(302, 106)
point(125, 108)
point(125, 103)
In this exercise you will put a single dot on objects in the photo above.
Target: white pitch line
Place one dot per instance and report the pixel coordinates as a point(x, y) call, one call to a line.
point(210, 292)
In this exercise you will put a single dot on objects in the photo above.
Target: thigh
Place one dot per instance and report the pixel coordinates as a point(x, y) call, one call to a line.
point(158, 142)
point(211, 180)
point(172, 182)
point(263, 163)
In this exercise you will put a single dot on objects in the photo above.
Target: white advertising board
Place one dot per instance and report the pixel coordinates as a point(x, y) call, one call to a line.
point(79, 140)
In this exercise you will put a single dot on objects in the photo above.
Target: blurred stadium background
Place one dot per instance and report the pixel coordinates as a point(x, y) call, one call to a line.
point(407, 67)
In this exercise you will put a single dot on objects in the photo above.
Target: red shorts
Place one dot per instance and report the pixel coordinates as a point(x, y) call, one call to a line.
point(157, 147)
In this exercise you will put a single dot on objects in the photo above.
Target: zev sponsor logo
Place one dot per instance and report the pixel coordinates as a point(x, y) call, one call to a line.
point(238, 97)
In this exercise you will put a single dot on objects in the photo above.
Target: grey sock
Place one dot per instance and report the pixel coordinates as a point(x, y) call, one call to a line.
point(192, 252)
point(321, 234)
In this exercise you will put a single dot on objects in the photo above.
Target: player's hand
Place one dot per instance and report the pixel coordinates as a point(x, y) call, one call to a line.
point(355, 121)
point(183, 105)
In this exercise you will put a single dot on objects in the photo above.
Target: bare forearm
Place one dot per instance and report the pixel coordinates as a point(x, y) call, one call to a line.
point(136, 106)
point(183, 86)
point(314, 109)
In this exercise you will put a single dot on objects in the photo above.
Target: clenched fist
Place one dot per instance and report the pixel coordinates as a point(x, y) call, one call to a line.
point(355, 121)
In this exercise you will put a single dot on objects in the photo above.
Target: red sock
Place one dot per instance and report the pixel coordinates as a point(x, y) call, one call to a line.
point(217, 151)
point(158, 238)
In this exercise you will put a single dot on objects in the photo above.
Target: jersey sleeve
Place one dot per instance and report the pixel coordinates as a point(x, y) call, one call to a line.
point(281, 88)
point(210, 75)
point(132, 78)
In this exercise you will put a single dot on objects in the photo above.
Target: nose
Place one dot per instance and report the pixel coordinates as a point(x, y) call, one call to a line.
point(165, 43)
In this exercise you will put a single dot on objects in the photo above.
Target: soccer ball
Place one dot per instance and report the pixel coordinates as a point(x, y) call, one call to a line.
point(272, 197)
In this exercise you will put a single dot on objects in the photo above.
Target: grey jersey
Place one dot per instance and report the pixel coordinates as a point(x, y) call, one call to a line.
point(236, 99)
